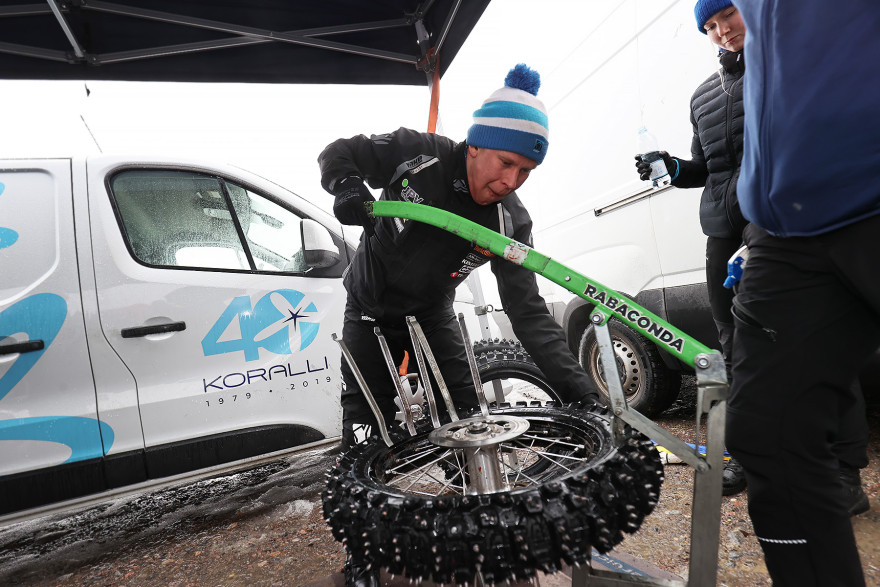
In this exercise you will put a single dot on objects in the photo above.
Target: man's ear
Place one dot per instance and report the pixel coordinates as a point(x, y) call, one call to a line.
point(472, 151)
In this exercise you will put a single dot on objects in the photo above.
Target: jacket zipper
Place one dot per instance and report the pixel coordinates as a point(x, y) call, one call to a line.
point(731, 151)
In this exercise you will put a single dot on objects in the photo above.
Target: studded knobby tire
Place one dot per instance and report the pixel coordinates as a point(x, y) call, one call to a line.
point(498, 344)
point(398, 507)
point(508, 362)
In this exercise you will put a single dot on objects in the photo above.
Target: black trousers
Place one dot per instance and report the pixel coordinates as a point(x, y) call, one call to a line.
point(807, 316)
point(718, 252)
point(444, 337)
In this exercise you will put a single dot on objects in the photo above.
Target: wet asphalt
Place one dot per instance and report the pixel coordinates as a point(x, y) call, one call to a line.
point(48, 546)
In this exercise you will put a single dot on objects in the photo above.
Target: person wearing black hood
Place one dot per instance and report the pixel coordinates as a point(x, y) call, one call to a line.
point(716, 152)
point(407, 268)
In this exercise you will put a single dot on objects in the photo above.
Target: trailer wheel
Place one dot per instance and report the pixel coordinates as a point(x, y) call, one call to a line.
point(649, 385)
point(396, 508)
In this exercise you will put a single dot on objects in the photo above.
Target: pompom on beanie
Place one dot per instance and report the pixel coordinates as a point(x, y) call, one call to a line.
point(512, 118)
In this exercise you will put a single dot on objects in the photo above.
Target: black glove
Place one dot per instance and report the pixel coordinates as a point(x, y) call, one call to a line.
point(644, 169)
point(351, 195)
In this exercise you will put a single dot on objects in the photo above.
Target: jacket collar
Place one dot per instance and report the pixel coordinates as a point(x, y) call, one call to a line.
point(732, 61)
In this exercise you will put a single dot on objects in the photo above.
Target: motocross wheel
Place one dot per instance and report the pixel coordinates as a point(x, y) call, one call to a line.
point(648, 384)
point(496, 344)
point(394, 507)
point(505, 364)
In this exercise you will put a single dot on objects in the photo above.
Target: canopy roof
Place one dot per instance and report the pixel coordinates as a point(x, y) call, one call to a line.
point(265, 41)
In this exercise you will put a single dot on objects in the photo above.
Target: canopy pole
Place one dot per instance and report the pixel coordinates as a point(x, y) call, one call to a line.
point(430, 64)
point(435, 94)
point(77, 49)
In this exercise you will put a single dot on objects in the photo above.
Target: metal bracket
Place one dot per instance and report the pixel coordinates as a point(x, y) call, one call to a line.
point(483, 310)
point(383, 429)
point(389, 362)
point(422, 341)
point(423, 372)
point(77, 49)
point(712, 391)
point(475, 372)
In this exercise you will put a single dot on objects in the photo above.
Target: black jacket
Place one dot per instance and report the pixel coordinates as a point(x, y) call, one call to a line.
point(717, 148)
point(411, 268)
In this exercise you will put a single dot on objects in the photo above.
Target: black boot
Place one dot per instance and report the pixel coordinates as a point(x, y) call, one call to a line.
point(856, 500)
point(357, 575)
point(733, 478)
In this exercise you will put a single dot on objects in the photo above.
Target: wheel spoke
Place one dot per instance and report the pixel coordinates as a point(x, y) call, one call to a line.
point(546, 456)
point(519, 473)
point(554, 441)
point(421, 472)
point(544, 452)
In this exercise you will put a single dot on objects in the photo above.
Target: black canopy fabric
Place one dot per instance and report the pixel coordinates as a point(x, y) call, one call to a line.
point(261, 41)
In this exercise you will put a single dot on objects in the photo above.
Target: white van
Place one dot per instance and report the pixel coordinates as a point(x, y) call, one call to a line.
point(158, 316)
point(638, 67)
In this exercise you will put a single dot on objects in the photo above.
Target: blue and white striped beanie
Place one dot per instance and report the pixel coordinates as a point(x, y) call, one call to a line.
point(512, 118)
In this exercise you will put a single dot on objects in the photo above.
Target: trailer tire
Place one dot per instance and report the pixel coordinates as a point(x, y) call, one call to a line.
point(649, 385)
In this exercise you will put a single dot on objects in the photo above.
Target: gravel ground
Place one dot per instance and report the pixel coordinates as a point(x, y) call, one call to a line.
point(265, 528)
point(664, 539)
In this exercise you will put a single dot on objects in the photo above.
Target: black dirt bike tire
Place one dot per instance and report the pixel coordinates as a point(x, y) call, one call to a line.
point(507, 535)
point(497, 344)
point(507, 359)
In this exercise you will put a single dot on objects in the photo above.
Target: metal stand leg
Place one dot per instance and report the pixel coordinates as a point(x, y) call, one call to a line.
point(383, 429)
point(481, 310)
point(712, 390)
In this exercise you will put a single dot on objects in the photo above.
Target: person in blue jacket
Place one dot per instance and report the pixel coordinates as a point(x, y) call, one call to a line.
point(807, 312)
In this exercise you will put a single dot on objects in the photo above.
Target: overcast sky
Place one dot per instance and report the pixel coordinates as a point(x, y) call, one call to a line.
point(278, 130)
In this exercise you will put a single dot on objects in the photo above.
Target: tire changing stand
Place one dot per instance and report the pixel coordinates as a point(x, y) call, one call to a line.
point(712, 392)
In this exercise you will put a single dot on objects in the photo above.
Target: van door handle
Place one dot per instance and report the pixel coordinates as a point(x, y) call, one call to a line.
point(138, 331)
point(21, 347)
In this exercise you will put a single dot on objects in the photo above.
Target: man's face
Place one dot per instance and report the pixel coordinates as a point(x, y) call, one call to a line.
point(493, 175)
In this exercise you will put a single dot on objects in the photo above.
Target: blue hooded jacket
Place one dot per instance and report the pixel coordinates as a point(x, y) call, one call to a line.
point(811, 160)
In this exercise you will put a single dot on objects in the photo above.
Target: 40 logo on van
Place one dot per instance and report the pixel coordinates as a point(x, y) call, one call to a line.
point(281, 322)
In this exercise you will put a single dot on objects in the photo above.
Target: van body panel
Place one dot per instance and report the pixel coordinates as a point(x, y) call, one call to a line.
point(48, 413)
point(187, 387)
point(115, 387)
point(610, 225)
point(589, 243)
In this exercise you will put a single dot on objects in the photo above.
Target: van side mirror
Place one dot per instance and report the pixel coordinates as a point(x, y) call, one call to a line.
point(319, 250)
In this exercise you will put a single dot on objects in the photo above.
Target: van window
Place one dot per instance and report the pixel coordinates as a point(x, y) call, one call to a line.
point(269, 229)
point(188, 219)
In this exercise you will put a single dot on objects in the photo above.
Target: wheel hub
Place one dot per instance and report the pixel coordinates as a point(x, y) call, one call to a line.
point(627, 367)
point(479, 431)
